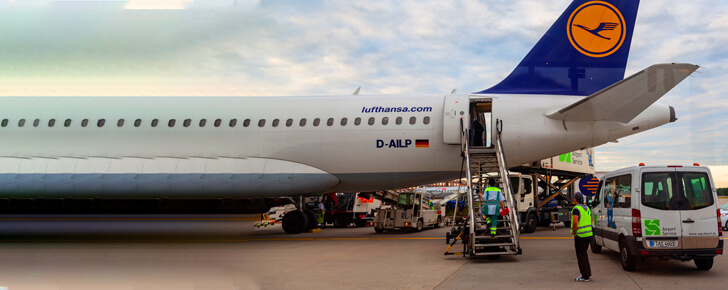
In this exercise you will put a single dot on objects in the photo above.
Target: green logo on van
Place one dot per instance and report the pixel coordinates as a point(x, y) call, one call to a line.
point(652, 227)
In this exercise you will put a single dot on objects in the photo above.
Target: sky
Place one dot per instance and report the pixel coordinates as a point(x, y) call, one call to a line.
point(282, 47)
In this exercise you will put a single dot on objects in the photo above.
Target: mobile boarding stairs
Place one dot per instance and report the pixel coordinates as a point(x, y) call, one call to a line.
point(485, 163)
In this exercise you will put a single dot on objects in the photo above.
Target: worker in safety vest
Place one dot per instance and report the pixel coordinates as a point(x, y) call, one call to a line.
point(581, 230)
point(430, 204)
point(493, 198)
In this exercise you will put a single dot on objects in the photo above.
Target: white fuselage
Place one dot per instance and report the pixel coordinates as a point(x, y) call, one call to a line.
point(256, 159)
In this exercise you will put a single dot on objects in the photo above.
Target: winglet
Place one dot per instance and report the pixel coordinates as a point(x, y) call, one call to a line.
point(626, 99)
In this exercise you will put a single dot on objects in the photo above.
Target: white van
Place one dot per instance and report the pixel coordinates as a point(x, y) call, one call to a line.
point(669, 212)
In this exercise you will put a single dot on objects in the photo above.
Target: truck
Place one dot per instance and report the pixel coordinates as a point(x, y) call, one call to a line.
point(544, 190)
point(343, 209)
point(410, 211)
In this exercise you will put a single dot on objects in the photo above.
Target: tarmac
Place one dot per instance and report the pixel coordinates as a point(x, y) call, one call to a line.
point(228, 252)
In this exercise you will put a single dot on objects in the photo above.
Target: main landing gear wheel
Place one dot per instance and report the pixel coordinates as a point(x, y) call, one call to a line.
point(312, 219)
point(295, 222)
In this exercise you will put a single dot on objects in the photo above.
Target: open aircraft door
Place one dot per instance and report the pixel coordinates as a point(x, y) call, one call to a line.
point(456, 108)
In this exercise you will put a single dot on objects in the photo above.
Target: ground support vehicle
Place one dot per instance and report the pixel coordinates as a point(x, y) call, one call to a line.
point(410, 211)
point(544, 190)
point(668, 212)
point(274, 215)
point(343, 209)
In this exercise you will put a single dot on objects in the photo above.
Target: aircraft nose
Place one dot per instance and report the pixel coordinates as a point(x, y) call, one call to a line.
point(672, 114)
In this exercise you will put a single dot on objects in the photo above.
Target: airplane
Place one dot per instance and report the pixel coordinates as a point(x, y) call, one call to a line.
point(440, 192)
point(568, 93)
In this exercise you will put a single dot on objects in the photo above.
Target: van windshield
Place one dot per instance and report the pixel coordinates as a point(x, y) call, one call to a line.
point(676, 190)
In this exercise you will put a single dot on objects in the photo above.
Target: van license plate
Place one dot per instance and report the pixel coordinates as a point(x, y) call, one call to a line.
point(663, 244)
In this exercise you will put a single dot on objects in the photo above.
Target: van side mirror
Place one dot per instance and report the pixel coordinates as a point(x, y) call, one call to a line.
point(591, 203)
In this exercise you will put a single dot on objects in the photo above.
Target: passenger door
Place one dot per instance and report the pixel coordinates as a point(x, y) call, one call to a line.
point(659, 208)
point(455, 109)
point(699, 225)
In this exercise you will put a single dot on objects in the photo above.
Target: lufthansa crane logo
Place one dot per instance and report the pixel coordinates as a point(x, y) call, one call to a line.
point(596, 29)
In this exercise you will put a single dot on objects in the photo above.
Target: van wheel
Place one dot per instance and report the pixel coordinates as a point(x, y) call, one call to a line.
point(629, 262)
point(419, 226)
point(725, 227)
point(531, 223)
point(596, 249)
point(704, 264)
point(439, 220)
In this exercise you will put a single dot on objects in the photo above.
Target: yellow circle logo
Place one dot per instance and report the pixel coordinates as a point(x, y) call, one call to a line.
point(596, 29)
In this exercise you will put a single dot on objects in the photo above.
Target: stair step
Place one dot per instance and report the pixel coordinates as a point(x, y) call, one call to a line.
point(496, 253)
point(488, 237)
point(483, 245)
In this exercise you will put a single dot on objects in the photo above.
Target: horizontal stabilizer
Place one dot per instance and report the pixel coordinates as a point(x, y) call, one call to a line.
point(626, 99)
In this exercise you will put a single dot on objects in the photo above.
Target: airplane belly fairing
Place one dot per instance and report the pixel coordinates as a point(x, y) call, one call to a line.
point(159, 177)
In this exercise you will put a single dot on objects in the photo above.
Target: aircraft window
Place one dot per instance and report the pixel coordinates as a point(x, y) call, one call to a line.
point(398, 121)
point(426, 120)
point(261, 123)
point(84, 122)
point(246, 123)
point(51, 122)
point(275, 122)
point(101, 123)
point(302, 122)
point(155, 122)
point(218, 122)
point(343, 121)
point(357, 121)
point(187, 122)
point(289, 122)
point(21, 122)
point(171, 123)
point(316, 122)
point(203, 122)
point(120, 123)
point(233, 122)
point(67, 123)
point(330, 122)
point(385, 120)
point(137, 122)
point(5, 123)
point(413, 120)
point(371, 121)
point(36, 122)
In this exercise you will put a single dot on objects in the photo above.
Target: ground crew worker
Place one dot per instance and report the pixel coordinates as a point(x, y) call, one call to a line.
point(322, 211)
point(581, 230)
point(493, 198)
point(430, 204)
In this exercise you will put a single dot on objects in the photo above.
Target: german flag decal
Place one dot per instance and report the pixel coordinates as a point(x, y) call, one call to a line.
point(422, 143)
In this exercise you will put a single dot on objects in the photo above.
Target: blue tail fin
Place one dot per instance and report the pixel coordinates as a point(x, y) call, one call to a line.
point(585, 51)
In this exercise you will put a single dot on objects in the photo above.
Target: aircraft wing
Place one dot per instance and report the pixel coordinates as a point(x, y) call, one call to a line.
point(626, 99)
